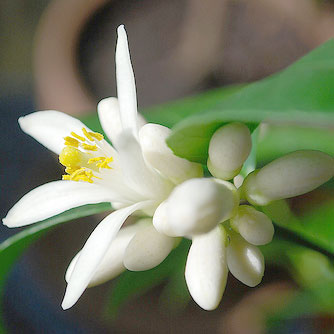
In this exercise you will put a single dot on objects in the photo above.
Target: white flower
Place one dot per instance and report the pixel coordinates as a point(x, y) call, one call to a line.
point(140, 173)
point(125, 174)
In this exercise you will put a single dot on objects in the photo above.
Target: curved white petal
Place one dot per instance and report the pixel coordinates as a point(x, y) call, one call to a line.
point(245, 261)
point(110, 119)
point(53, 198)
point(109, 116)
point(206, 269)
point(50, 127)
point(126, 87)
point(147, 249)
point(112, 263)
point(137, 174)
point(94, 251)
point(156, 152)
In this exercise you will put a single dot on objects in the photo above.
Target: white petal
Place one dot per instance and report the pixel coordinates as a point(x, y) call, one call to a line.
point(147, 249)
point(109, 116)
point(254, 226)
point(292, 175)
point(245, 261)
point(126, 87)
point(53, 198)
point(50, 127)
point(94, 251)
point(110, 119)
point(112, 263)
point(228, 150)
point(206, 269)
point(156, 152)
point(140, 177)
point(198, 205)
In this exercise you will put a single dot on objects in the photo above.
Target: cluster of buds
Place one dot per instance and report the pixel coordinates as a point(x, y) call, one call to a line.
point(219, 218)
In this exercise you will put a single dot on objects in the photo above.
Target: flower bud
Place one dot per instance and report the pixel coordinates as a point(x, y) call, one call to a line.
point(160, 220)
point(206, 269)
point(196, 206)
point(160, 156)
point(245, 261)
point(228, 150)
point(291, 175)
point(147, 249)
point(254, 226)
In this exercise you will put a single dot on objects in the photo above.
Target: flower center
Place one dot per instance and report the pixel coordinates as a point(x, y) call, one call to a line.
point(84, 156)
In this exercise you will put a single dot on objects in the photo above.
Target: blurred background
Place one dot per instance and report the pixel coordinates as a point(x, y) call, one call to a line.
point(60, 55)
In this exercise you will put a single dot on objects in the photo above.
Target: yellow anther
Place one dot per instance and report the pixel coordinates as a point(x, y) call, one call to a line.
point(87, 134)
point(70, 170)
point(101, 162)
point(80, 174)
point(89, 147)
point(97, 159)
point(96, 135)
point(70, 157)
point(69, 141)
point(77, 136)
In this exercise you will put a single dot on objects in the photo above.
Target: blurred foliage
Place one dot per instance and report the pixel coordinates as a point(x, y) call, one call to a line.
point(13, 247)
point(301, 94)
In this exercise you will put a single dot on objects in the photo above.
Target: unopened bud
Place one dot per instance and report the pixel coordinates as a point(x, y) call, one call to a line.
point(228, 150)
point(198, 205)
point(245, 261)
point(291, 175)
point(147, 249)
point(254, 226)
point(206, 269)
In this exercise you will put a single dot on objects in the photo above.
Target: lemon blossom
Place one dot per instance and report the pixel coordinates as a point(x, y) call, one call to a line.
point(140, 173)
point(126, 174)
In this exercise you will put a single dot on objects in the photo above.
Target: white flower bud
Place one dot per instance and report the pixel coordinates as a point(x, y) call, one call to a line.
point(291, 175)
point(206, 269)
point(196, 206)
point(245, 261)
point(147, 249)
point(160, 220)
point(228, 150)
point(254, 226)
point(156, 152)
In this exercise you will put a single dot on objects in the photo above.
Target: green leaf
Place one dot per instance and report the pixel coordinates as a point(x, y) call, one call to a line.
point(315, 226)
point(276, 141)
point(14, 246)
point(169, 114)
point(300, 94)
point(135, 283)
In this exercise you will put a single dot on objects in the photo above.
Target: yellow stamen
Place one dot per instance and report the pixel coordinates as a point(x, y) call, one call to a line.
point(96, 135)
point(87, 134)
point(89, 147)
point(70, 157)
point(69, 141)
point(80, 174)
point(77, 136)
point(102, 162)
